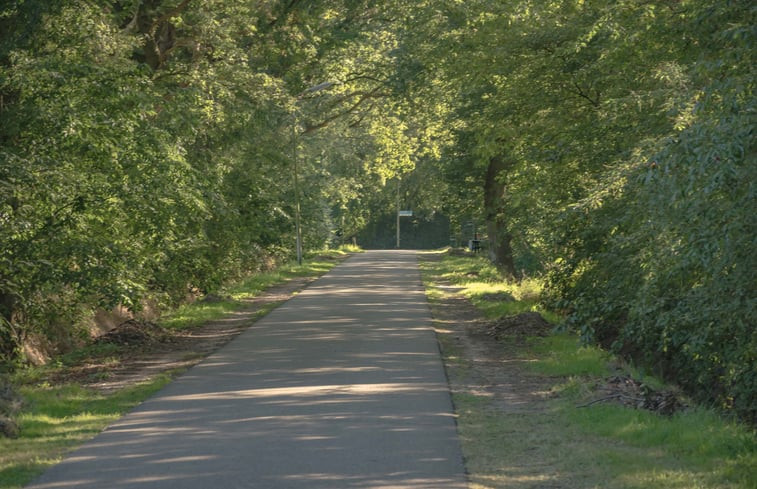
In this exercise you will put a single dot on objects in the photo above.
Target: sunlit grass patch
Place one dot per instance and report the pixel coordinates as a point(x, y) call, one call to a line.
point(700, 448)
point(503, 298)
point(710, 451)
point(466, 269)
point(567, 441)
point(487, 289)
point(563, 355)
point(338, 252)
point(56, 419)
point(195, 314)
point(231, 298)
point(307, 269)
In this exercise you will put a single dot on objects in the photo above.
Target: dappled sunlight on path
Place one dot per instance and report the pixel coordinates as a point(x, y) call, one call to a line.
point(341, 387)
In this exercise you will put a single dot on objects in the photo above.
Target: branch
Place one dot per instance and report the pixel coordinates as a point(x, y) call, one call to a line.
point(613, 396)
point(375, 93)
point(287, 9)
point(357, 121)
point(361, 76)
point(601, 399)
point(579, 91)
point(171, 13)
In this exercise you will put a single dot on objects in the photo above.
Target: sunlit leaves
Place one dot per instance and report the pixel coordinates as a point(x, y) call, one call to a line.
point(630, 127)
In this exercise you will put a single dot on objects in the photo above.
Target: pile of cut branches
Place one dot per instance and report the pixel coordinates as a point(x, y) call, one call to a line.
point(133, 333)
point(523, 324)
point(622, 389)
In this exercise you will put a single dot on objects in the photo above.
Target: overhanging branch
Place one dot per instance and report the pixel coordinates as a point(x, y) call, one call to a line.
point(362, 95)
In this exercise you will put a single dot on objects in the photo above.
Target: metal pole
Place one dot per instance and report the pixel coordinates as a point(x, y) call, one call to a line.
point(298, 227)
point(298, 230)
point(398, 212)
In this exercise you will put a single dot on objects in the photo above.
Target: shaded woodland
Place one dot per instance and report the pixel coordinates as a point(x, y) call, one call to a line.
point(155, 149)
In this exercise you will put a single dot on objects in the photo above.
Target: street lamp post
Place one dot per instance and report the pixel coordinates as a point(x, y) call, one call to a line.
point(297, 227)
point(398, 213)
point(296, 176)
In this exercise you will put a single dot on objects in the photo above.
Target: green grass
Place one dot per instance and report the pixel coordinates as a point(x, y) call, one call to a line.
point(482, 282)
point(563, 355)
point(199, 312)
point(192, 315)
point(598, 446)
point(465, 269)
point(695, 447)
point(708, 450)
point(56, 419)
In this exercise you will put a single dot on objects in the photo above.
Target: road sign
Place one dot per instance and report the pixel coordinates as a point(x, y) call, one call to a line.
point(406, 213)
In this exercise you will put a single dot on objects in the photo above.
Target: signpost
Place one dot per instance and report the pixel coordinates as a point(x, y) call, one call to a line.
point(401, 214)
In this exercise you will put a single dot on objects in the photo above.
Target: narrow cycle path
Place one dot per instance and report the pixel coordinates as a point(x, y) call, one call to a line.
point(340, 387)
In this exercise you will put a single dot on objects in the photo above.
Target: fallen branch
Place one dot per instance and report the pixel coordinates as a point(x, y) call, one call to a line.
point(601, 399)
point(613, 396)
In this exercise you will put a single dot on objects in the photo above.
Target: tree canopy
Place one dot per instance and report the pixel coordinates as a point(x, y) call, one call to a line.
point(148, 148)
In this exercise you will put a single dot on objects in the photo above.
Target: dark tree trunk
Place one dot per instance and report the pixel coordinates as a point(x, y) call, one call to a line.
point(9, 340)
point(159, 33)
point(495, 205)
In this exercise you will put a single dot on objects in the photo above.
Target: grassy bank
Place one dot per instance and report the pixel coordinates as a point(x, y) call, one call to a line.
point(232, 298)
point(56, 418)
point(566, 440)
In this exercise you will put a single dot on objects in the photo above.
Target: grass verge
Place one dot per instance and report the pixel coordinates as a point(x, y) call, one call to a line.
point(562, 441)
point(232, 298)
point(56, 419)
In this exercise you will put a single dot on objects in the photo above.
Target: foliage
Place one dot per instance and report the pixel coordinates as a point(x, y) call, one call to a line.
point(667, 235)
point(618, 141)
point(592, 446)
point(148, 149)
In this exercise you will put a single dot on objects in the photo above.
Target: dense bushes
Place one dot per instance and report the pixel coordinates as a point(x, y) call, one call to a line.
point(141, 154)
point(146, 151)
point(673, 282)
point(629, 131)
point(663, 268)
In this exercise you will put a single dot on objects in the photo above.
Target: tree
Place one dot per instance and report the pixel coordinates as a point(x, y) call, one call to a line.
point(609, 144)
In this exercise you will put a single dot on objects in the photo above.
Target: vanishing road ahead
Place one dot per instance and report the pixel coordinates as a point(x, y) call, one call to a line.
point(340, 387)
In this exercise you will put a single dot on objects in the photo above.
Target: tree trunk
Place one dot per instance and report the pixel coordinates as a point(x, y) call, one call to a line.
point(9, 341)
point(495, 205)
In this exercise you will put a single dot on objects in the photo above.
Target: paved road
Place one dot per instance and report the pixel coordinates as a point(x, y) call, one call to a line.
point(340, 387)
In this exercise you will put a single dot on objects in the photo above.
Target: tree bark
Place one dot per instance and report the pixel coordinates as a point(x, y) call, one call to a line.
point(495, 215)
point(159, 33)
point(9, 341)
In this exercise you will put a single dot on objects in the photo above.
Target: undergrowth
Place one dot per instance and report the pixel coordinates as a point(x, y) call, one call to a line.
point(569, 440)
point(232, 297)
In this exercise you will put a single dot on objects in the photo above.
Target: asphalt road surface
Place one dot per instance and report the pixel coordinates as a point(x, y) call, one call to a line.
point(340, 387)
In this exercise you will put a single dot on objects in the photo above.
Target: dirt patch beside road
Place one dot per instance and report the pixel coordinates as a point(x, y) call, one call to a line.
point(146, 350)
point(481, 363)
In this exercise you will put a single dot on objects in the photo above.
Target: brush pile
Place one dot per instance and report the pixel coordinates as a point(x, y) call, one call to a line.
point(523, 324)
point(132, 333)
point(624, 390)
